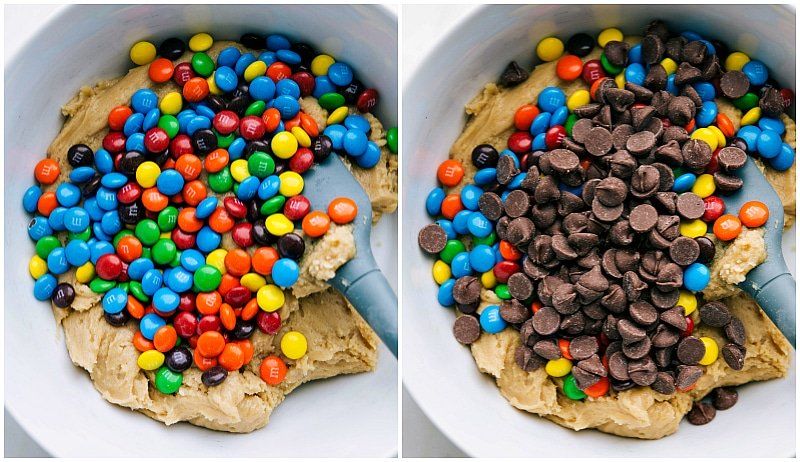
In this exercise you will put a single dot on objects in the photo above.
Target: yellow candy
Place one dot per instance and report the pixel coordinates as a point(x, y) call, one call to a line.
point(578, 99)
point(150, 360)
point(609, 35)
point(165, 235)
point(736, 61)
point(704, 186)
point(85, 273)
point(489, 280)
point(693, 228)
point(338, 115)
point(558, 367)
point(302, 137)
point(239, 170)
point(171, 103)
point(278, 224)
point(550, 49)
point(284, 145)
point(751, 117)
point(706, 135)
point(217, 259)
point(620, 80)
point(688, 301)
point(147, 174)
point(143, 53)
point(256, 69)
point(212, 85)
point(270, 297)
point(712, 351)
point(38, 267)
point(720, 136)
point(441, 272)
point(294, 345)
point(291, 184)
point(253, 281)
point(320, 65)
point(669, 65)
point(200, 42)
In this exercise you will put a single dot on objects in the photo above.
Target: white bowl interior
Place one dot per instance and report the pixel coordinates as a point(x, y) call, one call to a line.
point(54, 400)
point(441, 374)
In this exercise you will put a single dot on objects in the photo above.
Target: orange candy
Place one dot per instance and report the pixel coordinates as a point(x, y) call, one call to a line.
point(308, 124)
point(754, 214)
point(727, 227)
point(450, 172)
point(154, 200)
point(189, 166)
point(210, 344)
point(250, 310)
point(194, 192)
point(278, 71)
point(725, 125)
point(228, 282)
point(203, 363)
point(272, 370)
point(508, 251)
point(216, 160)
point(141, 343)
point(316, 223)
point(47, 203)
point(536, 306)
point(569, 67)
point(220, 221)
point(342, 210)
point(117, 117)
point(227, 316)
point(595, 85)
point(46, 171)
point(271, 118)
point(129, 248)
point(263, 259)
point(232, 357)
point(195, 90)
point(188, 221)
point(599, 389)
point(288, 125)
point(237, 262)
point(524, 116)
point(690, 126)
point(563, 345)
point(135, 307)
point(160, 71)
point(165, 338)
point(208, 303)
point(247, 348)
point(451, 205)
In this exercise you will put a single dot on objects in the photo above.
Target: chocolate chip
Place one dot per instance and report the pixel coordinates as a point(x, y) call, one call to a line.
point(724, 398)
point(614, 300)
point(432, 238)
point(674, 46)
point(645, 181)
point(715, 314)
point(687, 376)
point(663, 356)
point(619, 99)
point(694, 52)
point(520, 231)
point(467, 290)
point(606, 213)
point(689, 92)
point(642, 371)
point(675, 133)
point(548, 349)
point(664, 336)
point(735, 332)
point(517, 204)
point(652, 49)
point(501, 228)
point(684, 251)
point(520, 287)
point(675, 317)
point(727, 183)
point(658, 29)
point(656, 78)
point(643, 218)
point(731, 158)
point(618, 366)
point(664, 300)
point(734, 84)
point(640, 93)
point(690, 351)
point(643, 313)
point(710, 69)
point(680, 110)
point(771, 103)
point(563, 161)
point(527, 360)
point(617, 52)
point(565, 299)
point(513, 75)
point(583, 378)
point(641, 117)
point(734, 356)
point(598, 141)
point(621, 233)
point(686, 74)
point(573, 324)
point(629, 331)
point(468, 308)
point(622, 164)
point(527, 333)
point(641, 143)
point(611, 191)
point(547, 190)
point(562, 248)
point(670, 277)
point(546, 321)
point(467, 329)
point(633, 286)
point(667, 200)
point(690, 206)
point(588, 110)
point(491, 205)
point(696, 154)
point(664, 383)
point(506, 170)
point(583, 347)
point(701, 413)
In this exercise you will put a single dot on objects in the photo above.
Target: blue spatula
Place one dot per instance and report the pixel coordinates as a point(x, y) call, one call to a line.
point(770, 283)
point(359, 280)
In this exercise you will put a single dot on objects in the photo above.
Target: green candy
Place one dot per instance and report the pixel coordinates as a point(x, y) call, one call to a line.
point(260, 165)
point(164, 251)
point(135, 288)
point(120, 235)
point(45, 245)
point(167, 218)
point(147, 231)
point(571, 389)
point(272, 205)
point(608, 67)
point(168, 382)
point(331, 101)
point(569, 123)
point(81, 236)
point(146, 252)
point(124, 286)
point(202, 64)
point(746, 102)
point(221, 182)
point(502, 292)
point(169, 124)
point(451, 249)
point(676, 172)
point(256, 108)
point(101, 286)
point(176, 262)
point(207, 278)
point(392, 139)
point(223, 141)
point(488, 240)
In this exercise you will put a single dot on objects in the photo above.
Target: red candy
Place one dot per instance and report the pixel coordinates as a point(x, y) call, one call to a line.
point(182, 239)
point(554, 136)
point(182, 73)
point(187, 301)
point(226, 122)
point(592, 70)
point(114, 142)
point(714, 208)
point(788, 97)
point(302, 160)
point(367, 100)
point(156, 140)
point(235, 207)
point(252, 128)
point(180, 145)
point(713, 164)
point(238, 296)
point(185, 324)
point(109, 267)
point(296, 208)
point(208, 323)
point(520, 142)
point(689, 327)
point(305, 81)
point(268, 323)
point(242, 234)
point(504, 270)
point(129, 193)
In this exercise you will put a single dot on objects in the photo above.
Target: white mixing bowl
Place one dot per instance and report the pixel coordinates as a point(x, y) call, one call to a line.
point(440, 373)
point(54, 400)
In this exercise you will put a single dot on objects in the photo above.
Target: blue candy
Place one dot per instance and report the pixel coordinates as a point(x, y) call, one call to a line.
point(228, 57)
point(44, 286)
point(447, 226)
point(460, 266)
point(166, 300)
point(103, 161)
point(208, 239)
point(277, 42)
point(635, 73)
point(684, 182)
point(236, 149)
point(204, 110)
point(269, 187)
point(485, 176)
point(192, 259)
point(152, 281)
point(776, 125)
point(336, 133)
point(97, 230)
point(444, 295)
point(540, 123)
point(288, 87)
point(82, 174)
point(355, 142)
point(322, 85)
point(143, 100)
point(170, 182)
point(696, 277)
point(288, 57)
point(357, 122)
point(510, 153)
point(705, 91)
point(133, 124)
point(106, 198)
point(491, 322)
point(94, 210)
point(151, 119)
point(784, 159)
point(482, 258)
point(242, 63)
point(99, 249)
point(371, 156)
point(340, 74)
point(268, 57)
point(150, 323)
point(461, 222)
point(285, 272)
point(470, 194)
point(262, 88)
point(479, 225)
point(707, 114)
point(516, 182)
point(287, 106)
point(712, 50)
point(30, 200)
point(750, 134)
point(433, 203)
point(671, 87)
point(115, 300)
point(576, 190)
point(76, 220)
point(57, 261)
point(539, 142)
point(248, 188)
point(559, 116)
point(113, 180)
point(179, 280)
point(138, 267)
point(691, 35)
point(226, 78)
point(111, 223)
point(206, 207)
point(550, 99)
point(135, 142)
point(56, 219)
point(757, 72)
point(68, 194)
point(197, 123)
point(769, 144)
point(635, 54)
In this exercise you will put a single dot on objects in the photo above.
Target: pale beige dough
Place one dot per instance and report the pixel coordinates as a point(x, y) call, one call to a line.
point(640, 412)
point(340, 342)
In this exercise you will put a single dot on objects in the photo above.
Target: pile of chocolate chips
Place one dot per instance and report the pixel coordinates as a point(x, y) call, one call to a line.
point(611, 260)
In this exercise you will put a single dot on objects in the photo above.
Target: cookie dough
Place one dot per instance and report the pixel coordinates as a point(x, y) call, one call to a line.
point(639, 412)
point(340, 342)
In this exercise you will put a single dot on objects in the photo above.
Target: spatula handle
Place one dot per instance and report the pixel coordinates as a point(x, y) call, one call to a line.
point(777, 298)
point(376, 302)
